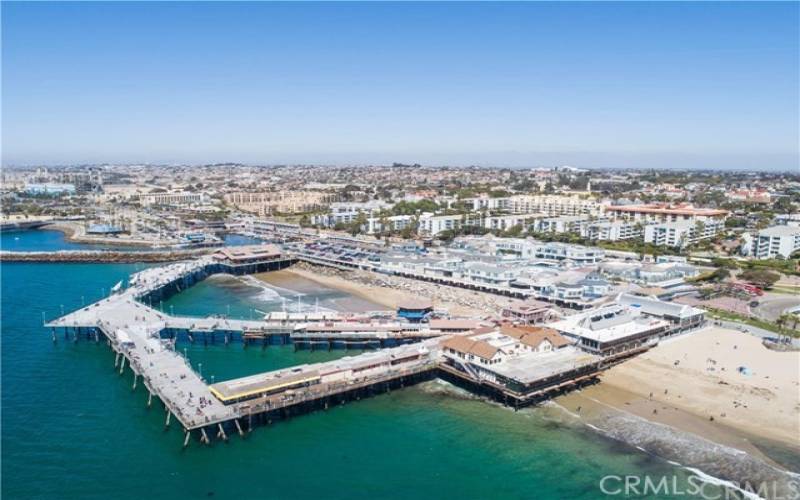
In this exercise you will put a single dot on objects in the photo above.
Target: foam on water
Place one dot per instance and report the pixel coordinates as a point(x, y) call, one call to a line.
point(714, 463)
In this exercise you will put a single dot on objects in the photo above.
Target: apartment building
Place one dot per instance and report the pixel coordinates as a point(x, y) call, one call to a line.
point(613, 231)
point(563, 224)
point(665, 213)
point(178, 198)
point(271, 202)
point(551, 205)
point(777, 242)
point(682, 233)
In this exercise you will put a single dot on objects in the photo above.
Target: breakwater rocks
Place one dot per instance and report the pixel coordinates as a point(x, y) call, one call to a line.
point(104, 256)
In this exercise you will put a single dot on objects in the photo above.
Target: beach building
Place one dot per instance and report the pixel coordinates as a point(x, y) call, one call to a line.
point(662, 274)
point(612, 330)
point(530, 312)
point(681, 317)
point(522, 361)
point(247, 254)
point(414, 311)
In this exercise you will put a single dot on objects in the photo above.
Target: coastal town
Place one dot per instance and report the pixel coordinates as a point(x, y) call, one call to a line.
point(519, 285)
point(390, 250)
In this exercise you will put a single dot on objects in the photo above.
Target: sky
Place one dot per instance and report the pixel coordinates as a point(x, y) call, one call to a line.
point(653, 85)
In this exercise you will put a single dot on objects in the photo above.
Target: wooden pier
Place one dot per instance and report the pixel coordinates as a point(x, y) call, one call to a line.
point(143, 340)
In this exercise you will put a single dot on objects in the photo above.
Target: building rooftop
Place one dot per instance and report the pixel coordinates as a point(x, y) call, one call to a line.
point(607, 324)
point(780, 231)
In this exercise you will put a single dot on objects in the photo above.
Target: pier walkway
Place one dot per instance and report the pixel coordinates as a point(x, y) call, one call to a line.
point(144, 338)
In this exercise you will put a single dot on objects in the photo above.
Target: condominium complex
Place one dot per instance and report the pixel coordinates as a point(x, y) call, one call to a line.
point(613, 231)
point(665, 213)
point(777, 241)
point(528, 204)
point(682, 233)
point(174, 198)
point(270, 202)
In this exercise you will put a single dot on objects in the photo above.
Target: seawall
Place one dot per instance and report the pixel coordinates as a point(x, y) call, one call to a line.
point(103, 256)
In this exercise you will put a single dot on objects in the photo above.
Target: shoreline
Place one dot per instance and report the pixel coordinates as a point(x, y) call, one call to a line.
point(73, 234)
point(389, 291)
point(690, 383)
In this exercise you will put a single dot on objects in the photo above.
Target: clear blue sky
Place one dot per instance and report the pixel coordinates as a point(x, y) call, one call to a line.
point(686, 85)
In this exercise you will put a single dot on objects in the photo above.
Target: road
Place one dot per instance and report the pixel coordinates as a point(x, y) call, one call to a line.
point(772, 305)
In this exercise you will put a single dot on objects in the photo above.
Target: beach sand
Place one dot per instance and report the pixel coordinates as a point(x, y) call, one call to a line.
point(686, 381)
point(387, 297)
point(351, 302)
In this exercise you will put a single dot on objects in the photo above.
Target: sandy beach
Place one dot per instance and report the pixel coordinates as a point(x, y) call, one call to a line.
point(363, 284)
point(693, 383)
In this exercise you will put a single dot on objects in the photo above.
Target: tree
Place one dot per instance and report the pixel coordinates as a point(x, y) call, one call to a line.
point(761, 278)
point(718, 275)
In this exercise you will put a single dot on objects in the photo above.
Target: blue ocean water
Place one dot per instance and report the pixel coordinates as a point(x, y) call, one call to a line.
point(73, 428)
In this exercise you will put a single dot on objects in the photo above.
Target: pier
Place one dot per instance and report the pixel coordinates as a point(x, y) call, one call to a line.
point(143, 340)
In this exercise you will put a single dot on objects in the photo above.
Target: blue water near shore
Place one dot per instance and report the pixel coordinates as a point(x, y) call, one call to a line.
point(39, 240)
point(50, 240)
point(73, 428)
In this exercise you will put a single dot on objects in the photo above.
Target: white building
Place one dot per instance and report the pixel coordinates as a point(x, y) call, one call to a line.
point(613, 231)
point(563, 224)
point(665, 213)
point(551, 205)
point(176, 198)
point(682, 233)
point(612, 329)
point(777, 241)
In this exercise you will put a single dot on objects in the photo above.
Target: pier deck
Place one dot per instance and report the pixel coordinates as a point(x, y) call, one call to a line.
point(135, 332)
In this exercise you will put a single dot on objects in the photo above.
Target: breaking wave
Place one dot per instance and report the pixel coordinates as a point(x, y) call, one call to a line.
point(724, 466)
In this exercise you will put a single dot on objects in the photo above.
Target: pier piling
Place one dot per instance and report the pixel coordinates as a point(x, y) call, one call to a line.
point(221, 433)
point(239, 427)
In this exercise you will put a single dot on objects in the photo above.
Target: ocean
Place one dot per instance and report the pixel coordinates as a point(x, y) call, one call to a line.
point(73, 428)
